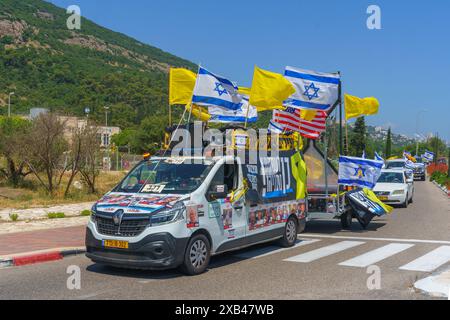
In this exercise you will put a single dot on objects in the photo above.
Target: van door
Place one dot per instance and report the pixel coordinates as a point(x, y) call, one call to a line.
point(231, 217)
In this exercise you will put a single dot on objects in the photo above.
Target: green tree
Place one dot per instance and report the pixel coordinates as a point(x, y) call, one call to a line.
point(358, 138)
point(388, 150)
point(13, 131)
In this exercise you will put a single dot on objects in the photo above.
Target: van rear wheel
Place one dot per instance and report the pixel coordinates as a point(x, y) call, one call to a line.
point(197, 256)
point(290, 233)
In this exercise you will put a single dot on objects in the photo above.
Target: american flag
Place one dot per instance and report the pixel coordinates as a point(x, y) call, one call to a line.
point(290, 120)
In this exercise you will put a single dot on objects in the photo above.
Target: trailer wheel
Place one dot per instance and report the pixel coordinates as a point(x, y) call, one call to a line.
point(290, 233)
point(196, 258)
point(346, 220)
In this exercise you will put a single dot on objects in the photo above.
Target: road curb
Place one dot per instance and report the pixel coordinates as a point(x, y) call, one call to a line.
point(23, 259)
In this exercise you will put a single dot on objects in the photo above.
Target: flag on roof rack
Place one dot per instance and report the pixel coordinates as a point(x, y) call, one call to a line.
point(428, 155)
point(314, 90)
point(359, 172)
point(275, 128)
point(213, 90)
point(378, 157)
point(224, 115)
point(291, 120)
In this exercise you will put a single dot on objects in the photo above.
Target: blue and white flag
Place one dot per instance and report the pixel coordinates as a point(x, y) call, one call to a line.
point(213, 90)
point(378, 157)
point(275, 127)
point(314, 90)
point(359, 172)
point(428, 155)
point(364, 154)
point(224, 115)
point(409, 165)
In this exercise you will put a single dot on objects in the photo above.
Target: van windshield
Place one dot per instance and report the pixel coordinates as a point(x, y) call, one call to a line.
point(165, 176)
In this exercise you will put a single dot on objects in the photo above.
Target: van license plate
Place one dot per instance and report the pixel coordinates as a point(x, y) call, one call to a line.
point(115, 244)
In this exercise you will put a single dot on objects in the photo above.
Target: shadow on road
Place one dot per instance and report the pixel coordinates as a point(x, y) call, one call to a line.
point(332, 227)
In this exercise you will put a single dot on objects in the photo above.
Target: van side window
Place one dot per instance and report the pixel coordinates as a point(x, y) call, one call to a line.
point(226, 175)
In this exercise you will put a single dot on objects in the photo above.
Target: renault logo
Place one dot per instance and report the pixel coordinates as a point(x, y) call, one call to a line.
point(117, 217)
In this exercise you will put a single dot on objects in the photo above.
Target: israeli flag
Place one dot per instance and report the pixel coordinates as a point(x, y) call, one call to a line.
point(359, 172)
point(378, 157)
point(275, 128)
point(428, 155)
point(314, 90)
point(224, 115)
point(213, 90)
point(409, 165)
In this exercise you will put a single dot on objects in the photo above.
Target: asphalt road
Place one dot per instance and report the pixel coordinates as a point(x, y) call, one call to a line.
point(259, 273)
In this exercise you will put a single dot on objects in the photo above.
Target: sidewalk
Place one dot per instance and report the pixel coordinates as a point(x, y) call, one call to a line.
point(24, 242)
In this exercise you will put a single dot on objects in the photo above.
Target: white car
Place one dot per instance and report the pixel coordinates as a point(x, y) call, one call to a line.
point(395, 186)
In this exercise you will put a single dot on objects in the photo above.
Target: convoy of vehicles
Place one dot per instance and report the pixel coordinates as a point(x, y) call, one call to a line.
point(178, 211)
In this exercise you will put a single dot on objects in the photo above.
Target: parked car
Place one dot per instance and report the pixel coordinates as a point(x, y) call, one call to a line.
point(395, 186)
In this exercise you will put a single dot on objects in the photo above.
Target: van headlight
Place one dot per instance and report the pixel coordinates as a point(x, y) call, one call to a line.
point(93, 212)
point(398, 192)
point(168, 215)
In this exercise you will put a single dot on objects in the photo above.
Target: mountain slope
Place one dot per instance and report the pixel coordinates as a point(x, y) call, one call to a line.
point(49, 66)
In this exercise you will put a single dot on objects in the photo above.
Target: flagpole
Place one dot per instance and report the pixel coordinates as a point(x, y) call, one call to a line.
point(341, 149)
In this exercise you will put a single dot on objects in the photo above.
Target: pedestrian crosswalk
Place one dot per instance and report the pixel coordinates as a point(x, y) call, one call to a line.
point(428, 262)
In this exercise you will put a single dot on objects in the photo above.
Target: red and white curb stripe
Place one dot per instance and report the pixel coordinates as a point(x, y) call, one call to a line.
point(22, 259)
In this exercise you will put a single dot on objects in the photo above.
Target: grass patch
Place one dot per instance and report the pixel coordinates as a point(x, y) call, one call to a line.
point(14, 217)
point(56, 215)
point(85, 213)
point(37, 197)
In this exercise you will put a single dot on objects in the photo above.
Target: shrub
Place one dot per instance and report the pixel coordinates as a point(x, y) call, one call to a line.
point(14, 216)
point(56, 215)
point(85, 213)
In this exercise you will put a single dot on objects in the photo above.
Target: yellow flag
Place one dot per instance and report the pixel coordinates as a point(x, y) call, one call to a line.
point(181, 86)
point(269, 90)
point(372, 196)
point(245, 91)
point(357, 107)
point(298, 169)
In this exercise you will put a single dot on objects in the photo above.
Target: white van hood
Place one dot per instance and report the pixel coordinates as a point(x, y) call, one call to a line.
point(138, 202)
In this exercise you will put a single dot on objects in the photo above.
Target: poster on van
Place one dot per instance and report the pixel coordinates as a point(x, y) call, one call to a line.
point(272, 177)
point(192, 216)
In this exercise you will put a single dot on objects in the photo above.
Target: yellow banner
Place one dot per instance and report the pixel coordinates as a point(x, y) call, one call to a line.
point(357, 107)
point(181, 86)
point(269, 90)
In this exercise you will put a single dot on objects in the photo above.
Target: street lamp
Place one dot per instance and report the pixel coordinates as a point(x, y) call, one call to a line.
point(417, 129)
point(9, 103)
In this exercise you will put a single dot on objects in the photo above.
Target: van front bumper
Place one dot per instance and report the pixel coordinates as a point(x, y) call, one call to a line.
point(155, 252)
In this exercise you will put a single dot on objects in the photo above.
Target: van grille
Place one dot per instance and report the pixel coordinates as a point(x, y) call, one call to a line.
point(128, 228)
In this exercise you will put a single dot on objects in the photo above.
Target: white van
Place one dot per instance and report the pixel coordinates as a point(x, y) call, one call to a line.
point(173, 212)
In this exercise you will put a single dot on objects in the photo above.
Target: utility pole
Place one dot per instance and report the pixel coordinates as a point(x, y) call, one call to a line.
point(9, 104)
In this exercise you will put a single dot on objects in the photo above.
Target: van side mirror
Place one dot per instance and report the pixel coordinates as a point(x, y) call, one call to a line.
point(252, 197)
point(216, 192)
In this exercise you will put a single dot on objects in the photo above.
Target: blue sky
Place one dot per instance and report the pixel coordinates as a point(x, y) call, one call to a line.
point(406, 65)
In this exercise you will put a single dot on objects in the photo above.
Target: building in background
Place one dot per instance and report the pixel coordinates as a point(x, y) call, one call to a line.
point(72, 124)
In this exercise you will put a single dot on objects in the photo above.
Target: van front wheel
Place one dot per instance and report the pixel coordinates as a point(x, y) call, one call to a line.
point(197, 256)
point(290, 233)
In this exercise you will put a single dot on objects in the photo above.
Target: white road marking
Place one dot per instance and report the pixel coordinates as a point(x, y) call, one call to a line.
point(266, 251)
point(325, 236)
point(431, 261)
point(324, 251)
point(377, 255)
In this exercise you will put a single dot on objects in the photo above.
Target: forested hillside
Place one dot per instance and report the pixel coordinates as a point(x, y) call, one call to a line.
point(49, 66)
